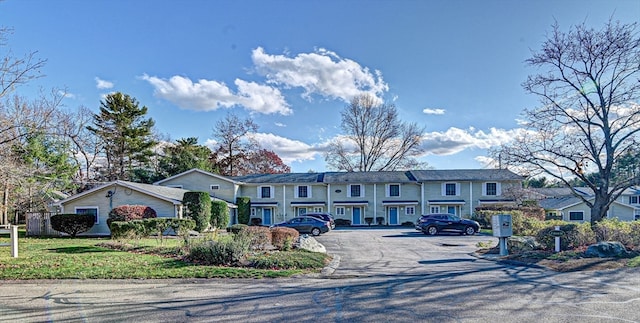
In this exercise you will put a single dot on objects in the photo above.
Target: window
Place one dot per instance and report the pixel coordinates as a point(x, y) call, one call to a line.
point(393, 190)
point(450, 189)
point(355, 191)
point(576, 216)
point(410, 210)
point(265, 192)
point(317, 209)
point(88, 210)
point(303, 191)
point(633, 199)
point(435, 209)
point(340, 210)
point(253, 211)
point(215, 187)
point(491, 189)
point(302, 211)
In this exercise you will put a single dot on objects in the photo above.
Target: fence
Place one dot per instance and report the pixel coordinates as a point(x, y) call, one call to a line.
point(12, 230)
point(39, 224)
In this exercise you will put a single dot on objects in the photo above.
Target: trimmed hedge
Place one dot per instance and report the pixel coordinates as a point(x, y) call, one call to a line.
point(72, 224)
point(283, 237)
point(138, 229)
point(219, 214)
point(198, 206)
point(576, 235)
point(129, 213)
point(244, 209)
point(260, 236)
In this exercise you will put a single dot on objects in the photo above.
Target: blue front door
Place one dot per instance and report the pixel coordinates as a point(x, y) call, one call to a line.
point(356, 216)
point(393, 215)
point(266, 216)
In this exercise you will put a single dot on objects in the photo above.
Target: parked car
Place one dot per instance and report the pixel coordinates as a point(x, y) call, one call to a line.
point(306, 224)
point(433, 224)
point(324, 217)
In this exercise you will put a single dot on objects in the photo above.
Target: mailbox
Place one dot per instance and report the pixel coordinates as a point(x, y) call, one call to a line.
point(502, 225)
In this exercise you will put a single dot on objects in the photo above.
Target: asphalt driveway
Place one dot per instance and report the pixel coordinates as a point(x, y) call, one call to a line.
point(398, 251)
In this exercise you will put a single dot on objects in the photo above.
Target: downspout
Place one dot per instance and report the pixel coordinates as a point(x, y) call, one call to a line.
point(284, 202)
point(375, 201)
point(470, 199)
point(422, 204)
point(328, 198)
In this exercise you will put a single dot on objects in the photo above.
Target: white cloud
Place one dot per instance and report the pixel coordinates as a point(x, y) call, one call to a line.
point(279, 124)
point(67, 95)
point(206, 95)
point(455, 140)
point(102, 84)
point(288, 150)
point(433, 111)
point(322, 72)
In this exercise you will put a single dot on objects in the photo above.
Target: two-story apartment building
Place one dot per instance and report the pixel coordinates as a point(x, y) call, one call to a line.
point(394, 197)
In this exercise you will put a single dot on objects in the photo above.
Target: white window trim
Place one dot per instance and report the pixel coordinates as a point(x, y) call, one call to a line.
point(361, 190)
point(271, 192)
point(434, 209)
point(253, 212)
point(498, 189)
point(75, 210)
point(388, 189)
point(407, 208)
point(444, 188)
point(296, 193)
point(317, 209)
point(342, 208)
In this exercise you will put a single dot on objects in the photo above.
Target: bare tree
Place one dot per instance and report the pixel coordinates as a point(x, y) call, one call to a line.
point(16, 70)
point(590, 118)
point(375, 139)
point(233, 142)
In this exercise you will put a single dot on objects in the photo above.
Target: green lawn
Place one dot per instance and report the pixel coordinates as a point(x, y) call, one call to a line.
point(83, 258)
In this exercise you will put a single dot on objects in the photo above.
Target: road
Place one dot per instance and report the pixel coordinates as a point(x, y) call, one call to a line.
point(394, 275)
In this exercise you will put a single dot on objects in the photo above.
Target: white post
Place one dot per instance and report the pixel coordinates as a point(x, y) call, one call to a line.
point(557, 249)
point(14, 241)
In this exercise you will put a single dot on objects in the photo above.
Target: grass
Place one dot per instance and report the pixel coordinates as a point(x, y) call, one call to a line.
point(91, 258)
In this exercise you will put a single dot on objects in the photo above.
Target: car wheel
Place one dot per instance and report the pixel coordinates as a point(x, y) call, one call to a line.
point(469, 231)
point(432, 231)
point(315, 231)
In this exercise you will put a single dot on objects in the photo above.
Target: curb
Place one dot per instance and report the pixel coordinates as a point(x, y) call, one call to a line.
point(331, 267)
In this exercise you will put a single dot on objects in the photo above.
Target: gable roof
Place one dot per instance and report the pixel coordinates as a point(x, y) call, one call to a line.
point(170, 194)
point(466, 175)
point(369, 177)
point(196, 170)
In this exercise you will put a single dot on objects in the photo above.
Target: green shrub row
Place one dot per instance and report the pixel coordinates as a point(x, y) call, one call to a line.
point(137, 229)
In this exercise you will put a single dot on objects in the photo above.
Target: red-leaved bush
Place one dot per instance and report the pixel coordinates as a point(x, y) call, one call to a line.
point(130, 212)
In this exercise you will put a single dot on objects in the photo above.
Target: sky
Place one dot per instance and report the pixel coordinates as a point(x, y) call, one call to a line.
point(453, 67)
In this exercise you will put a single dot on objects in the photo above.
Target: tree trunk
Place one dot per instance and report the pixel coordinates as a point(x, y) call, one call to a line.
point(599, 209)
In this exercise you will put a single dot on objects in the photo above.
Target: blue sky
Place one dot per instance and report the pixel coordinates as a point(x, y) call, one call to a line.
point(454, 67)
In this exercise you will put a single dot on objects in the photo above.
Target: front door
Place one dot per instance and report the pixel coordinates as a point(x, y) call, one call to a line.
point(266, 216)
point(355, 217)
point(451, 209)
point(393, 215)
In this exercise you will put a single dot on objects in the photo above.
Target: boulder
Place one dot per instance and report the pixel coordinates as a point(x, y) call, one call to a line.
point(606, 249)
point(309, 243)
point(522, 244)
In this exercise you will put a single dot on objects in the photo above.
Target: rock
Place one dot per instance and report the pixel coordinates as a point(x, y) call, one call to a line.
point(606, 249)
point(521, 244)
point(309, 243)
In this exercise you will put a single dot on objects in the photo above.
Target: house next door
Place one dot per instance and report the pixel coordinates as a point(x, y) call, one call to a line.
point(393, 215)
point(355, 217)
point(266, 216)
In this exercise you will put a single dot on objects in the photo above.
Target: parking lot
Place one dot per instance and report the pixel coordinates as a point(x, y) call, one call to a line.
point(396, 251)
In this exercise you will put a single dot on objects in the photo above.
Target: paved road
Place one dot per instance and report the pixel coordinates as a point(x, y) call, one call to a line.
point(384, 275)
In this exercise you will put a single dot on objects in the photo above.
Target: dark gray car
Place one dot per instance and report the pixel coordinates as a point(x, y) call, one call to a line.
point(306, 224)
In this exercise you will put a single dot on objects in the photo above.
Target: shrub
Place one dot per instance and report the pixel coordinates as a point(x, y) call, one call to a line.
point(614, 230)
point(121, 230)
point(342, 222)
point(260, 237)
point(368, 220)
point(244, 209)
point(408, 224)
point(483, 214)
point(255, 221)
point(72, 224)
point(130, 212)
point(237, 228)
point(198, 206)
point(380, 220)
point(219, 214)
point(227, 252)
point(575, 235)
point(283, 238)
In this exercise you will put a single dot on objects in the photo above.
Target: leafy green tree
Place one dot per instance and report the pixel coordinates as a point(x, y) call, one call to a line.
point(184, 155)
point(126, 134)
